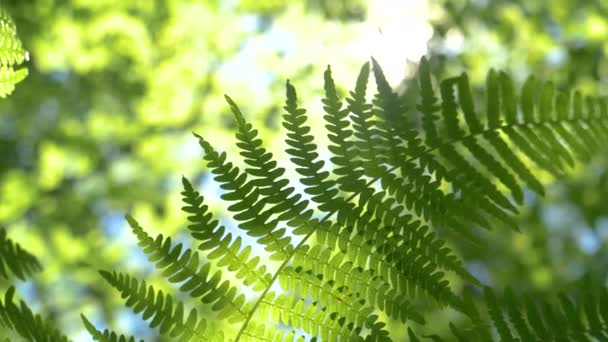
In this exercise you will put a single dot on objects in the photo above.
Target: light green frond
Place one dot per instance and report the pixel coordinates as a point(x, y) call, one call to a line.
point(316, 321)
point(260, 332)
point(11, 49)
point(9, 77)
point(12, 54)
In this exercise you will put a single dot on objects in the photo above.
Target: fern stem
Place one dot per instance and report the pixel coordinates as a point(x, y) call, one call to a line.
point(369, 183)
point(275, 277)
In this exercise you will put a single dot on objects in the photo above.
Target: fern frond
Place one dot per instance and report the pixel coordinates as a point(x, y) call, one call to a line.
point(322, 323)
point(415, 187)
point(543, 130)
point(12, 54)
point(303, 154)
point(197, 280)
point(429, 104)
point(106, 336)
point(345, 159)
point(15, 259)
point(249, 204)
point(260, 332)
point(266, 176)
point(386, 266)
point(366, 142)
point(388, 186)
point(20, 319)
point(354, 283)
point(515, 319)
point(11, 49)
point(164, 312)
point(220, 246)
point(391, 110)
point(9, 77)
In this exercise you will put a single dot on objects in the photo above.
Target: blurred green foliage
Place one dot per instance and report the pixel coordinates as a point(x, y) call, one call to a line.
point(564, 39)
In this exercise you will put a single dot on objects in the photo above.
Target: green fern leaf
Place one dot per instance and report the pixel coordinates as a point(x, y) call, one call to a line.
point(345, 157)
point(528, 94)
point(16, 260)
point(168, 317)
point(449, 109)
point(492, 99)
point(222, 246)
point(576, 322)
point(199, 282)
point(267, 177)
point(249, 204)
point(508, 98)
point(106, 336)
point(465, 98)
point(12, 54)
point(428, 106)
point(20, 319)
point(304, 156)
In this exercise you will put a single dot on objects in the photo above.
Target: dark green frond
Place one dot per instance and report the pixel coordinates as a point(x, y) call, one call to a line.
point(429, 103)
point(528, 93)
point(345, 158)
point(14, 259)
point(18, 317)
point(515, 319)
point(390, 108)
point(267, 177)
point(198, 280)
point(365, 140)
point(303, 153)
point(249, 204)
point(202, 225)
point(106, 336)
point(465, 98)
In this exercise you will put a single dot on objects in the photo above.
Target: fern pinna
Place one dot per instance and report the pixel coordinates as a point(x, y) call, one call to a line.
point(12, 54)
point(18, 318)
point(362, 244)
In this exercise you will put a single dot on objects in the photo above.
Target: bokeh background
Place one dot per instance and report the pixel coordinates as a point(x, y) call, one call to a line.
point(102, 125)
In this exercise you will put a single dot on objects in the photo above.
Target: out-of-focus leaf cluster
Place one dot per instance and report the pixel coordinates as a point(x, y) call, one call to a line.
point(564, 38)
